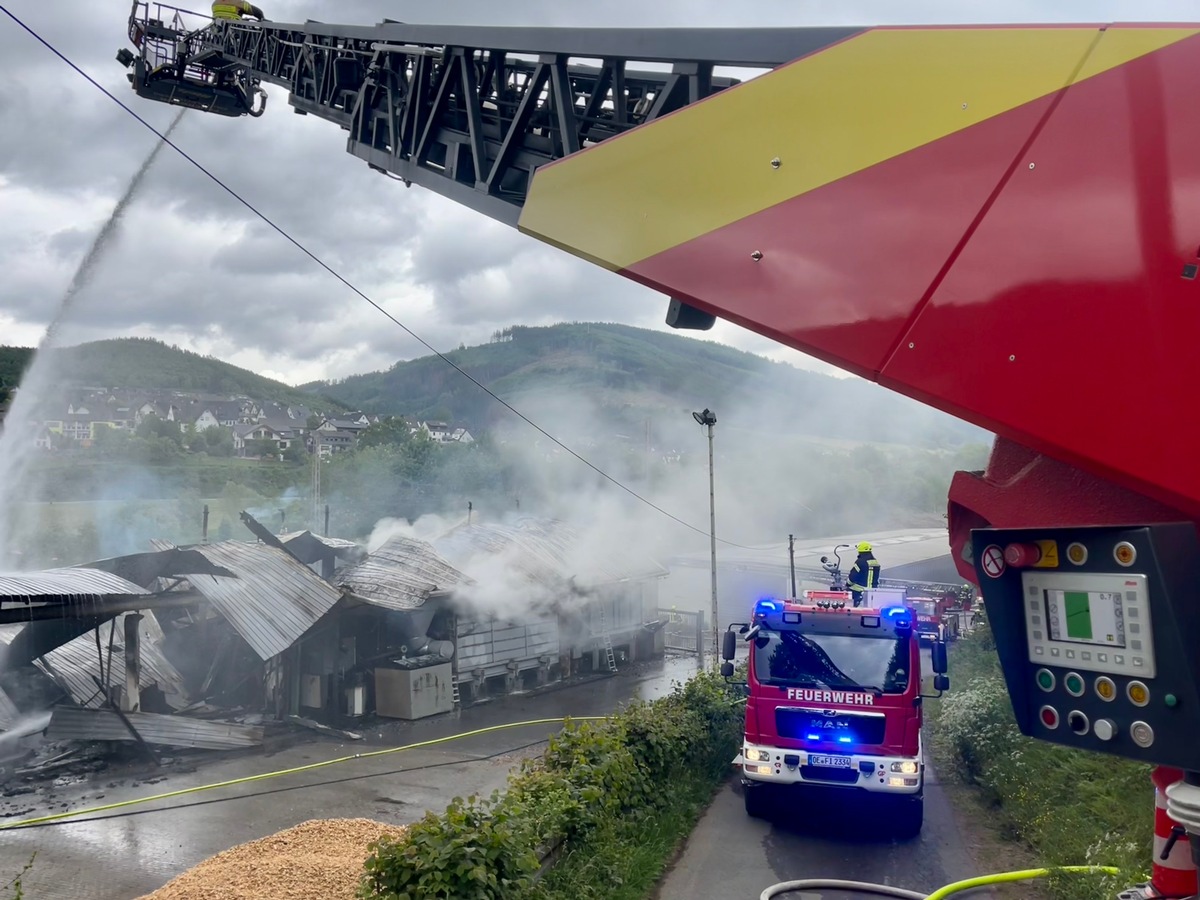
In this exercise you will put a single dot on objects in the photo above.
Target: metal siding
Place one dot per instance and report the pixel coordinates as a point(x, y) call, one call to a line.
point(482, 644)
point(68, 582)
point(8, 711)
point(273, 601)
point(73, 664)
point(71, 724)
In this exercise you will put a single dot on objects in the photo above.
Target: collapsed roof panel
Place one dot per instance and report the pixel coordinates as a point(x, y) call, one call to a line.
point(67, 583)
point(8, 711)
point(401, 575)
point(75, 664)
point(272, 601)
point(70, 724)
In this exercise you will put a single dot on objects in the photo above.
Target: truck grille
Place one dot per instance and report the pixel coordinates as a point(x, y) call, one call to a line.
point(834, 776)
point(801, 724)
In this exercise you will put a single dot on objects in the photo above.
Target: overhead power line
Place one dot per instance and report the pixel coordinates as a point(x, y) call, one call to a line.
point(352, 287)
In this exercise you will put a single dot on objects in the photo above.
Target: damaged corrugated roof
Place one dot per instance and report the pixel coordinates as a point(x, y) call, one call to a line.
point(311, 547)
point(402, 574)
point(8, 711)
point(545, 552)
point(273, 600)
point(74, 663)
point(69, 582)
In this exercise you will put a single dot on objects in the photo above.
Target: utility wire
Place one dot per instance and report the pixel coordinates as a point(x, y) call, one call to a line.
point(320, 262)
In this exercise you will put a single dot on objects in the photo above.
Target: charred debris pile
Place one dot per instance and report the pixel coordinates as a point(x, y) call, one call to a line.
point(231, 645)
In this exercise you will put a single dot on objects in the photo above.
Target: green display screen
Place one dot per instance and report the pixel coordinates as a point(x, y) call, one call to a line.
point(1086, 617)
point(1078, 611)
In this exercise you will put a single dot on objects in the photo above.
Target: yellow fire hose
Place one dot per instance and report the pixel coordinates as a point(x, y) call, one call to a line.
point(306, 768)
point(881, 890)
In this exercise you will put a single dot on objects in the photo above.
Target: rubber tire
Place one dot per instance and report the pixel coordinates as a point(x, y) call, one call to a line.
point(758, 800)
point(908, 818)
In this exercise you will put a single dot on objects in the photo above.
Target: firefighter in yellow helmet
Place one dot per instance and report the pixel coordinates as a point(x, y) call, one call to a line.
point(864, 574)
point(235, 9)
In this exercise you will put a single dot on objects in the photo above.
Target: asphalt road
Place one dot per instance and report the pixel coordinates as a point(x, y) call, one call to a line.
point(731, 856)
point(129, 852)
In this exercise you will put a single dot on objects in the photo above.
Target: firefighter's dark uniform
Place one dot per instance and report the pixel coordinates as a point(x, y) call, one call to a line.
point(235, 9)
point(864, 575)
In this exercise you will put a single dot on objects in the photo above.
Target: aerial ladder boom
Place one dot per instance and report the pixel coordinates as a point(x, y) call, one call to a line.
point(999, 222)
point(1002, 222)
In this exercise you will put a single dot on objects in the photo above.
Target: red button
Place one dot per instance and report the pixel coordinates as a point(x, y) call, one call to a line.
point(1018, 555)
point(1049, 716)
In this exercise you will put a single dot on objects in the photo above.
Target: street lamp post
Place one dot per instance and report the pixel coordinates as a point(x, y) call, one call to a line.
point(709, 418)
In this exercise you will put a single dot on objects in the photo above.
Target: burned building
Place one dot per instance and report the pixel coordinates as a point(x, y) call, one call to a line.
point(306, 628)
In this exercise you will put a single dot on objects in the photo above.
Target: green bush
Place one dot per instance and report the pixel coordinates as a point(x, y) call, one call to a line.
point(591, 793)
point(1074, 807)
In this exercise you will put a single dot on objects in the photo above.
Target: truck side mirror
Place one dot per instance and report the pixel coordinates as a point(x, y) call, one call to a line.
point(938, 653)
point(729, 645)
point(941, 682)
point(726, 670)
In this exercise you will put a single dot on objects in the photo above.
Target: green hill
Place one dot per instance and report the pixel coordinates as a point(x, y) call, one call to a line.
point(147, 364)
point(635, 376)
point(12, 363)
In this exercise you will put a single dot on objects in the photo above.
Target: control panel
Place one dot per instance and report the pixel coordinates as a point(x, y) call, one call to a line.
point(1098, 633)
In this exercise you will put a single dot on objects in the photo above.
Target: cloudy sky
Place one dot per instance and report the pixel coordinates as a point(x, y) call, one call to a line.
point(192, 267)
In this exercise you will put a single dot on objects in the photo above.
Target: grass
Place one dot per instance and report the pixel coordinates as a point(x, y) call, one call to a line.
point(1073, 807)
point(626, 859)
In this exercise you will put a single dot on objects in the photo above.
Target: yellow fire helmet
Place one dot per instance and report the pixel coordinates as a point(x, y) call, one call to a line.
point(864, 547)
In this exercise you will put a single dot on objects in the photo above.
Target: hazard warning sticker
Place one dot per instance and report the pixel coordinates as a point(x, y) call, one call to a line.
point(993, 561)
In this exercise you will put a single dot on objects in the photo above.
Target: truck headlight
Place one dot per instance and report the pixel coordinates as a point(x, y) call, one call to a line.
point(758, 755)
point(908, 767)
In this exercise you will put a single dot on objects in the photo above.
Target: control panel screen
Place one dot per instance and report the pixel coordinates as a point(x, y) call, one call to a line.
point(1089, 621)
point(1086, 617)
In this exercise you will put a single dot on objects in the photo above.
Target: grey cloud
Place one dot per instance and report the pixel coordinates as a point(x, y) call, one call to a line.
point(180, 267)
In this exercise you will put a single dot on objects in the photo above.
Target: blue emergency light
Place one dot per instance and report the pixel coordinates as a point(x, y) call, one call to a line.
point(765, 606)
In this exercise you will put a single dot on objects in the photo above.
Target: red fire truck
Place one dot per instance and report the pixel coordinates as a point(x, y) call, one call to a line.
point(834, 702)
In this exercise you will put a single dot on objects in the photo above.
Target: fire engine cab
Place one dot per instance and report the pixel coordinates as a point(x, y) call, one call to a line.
point(834, 702)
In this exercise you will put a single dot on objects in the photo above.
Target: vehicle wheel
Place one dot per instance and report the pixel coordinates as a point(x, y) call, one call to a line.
point(909, 817)
point(758, 800)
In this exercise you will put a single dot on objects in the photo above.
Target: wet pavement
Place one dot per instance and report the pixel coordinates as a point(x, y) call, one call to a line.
point(125, 853)
point(822, 836)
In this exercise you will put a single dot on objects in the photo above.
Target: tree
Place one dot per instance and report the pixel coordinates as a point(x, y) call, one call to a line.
point(314, 422)
point(262, 447)
point(390, 432)
point(218, 441)
point(295, 452)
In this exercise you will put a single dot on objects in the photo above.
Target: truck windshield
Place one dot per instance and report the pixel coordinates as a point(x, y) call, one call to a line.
point(792, 659)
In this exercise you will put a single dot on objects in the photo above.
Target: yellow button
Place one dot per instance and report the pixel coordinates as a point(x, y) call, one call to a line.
point(1105, 688)
point(1077, 553)
point(1124, 553)
point(1138, 693)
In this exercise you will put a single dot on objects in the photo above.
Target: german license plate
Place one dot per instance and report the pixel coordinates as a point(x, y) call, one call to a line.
point(829, 762)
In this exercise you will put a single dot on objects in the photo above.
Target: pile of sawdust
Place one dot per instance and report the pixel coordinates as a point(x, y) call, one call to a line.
point(317, 860)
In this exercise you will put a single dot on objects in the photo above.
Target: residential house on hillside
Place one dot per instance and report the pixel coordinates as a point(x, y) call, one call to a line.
point(442, 433)
point(355, 423)
point(280, 411)
point(327, 443)
point(244, 434)
point(215, 412)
